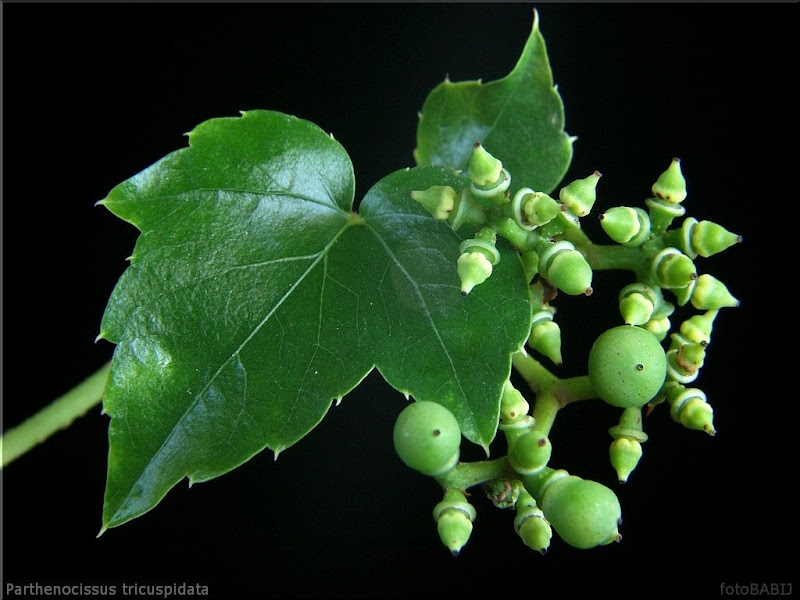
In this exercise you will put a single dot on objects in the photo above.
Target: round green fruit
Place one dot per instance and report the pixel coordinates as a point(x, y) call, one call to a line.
point(627, 366)
point(427, 438)
point(583, 513)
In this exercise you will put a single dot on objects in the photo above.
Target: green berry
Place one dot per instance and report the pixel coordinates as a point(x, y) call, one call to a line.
point(627, 366)
point(427, 438)
point(583, 513)
point(530, 452)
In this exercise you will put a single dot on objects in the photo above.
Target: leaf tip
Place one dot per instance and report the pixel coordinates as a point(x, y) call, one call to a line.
point(535, 20)
point(103, 529)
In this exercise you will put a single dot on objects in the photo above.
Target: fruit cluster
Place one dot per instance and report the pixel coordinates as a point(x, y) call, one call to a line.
point(628, 366)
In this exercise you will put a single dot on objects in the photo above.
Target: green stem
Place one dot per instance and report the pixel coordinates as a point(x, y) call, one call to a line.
point(551, 392)
point(468, 474)
point(58, 415)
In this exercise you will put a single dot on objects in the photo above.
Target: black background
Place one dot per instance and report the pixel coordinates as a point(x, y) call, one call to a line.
point(93, 93)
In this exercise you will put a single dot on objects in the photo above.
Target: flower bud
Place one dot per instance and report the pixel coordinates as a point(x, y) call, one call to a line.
point(454, 517)
point(709, 293)
point(697, 328)
point(512, 403)
point(531, 210)
point(531, 525)
point(671, 268)
point(473, 269)
point(545, 336)
point(626, 225)
point(438, 200)
point(637, 302)
point(671, 185)
point(625, 453)
point(580, 195)
point(690, 408)
point(684, 362)
point(484, 169)
point(706, 238)
point(566, 268)
point(659, 327)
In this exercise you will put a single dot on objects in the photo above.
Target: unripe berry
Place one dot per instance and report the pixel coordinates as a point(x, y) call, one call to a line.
point(427, 438)
point(627, 366)
point(583, 513)
point(580, 195)
point(530, 452)
point(454, 517)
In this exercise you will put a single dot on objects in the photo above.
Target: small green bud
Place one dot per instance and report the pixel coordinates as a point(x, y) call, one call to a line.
point(531, 210)
point(662, 213)
point(690, 408)
point(629, 425)
point(625, 453)
point(671, 186)
point(706, 238)
point(580, 195)
point(671, 268)
point(438, 200)
point(454, 517)
point(566, 268)
point(530, 452)
point(637, 302)
point(626, 225)
point(710, 293)
point(512, 403)
point(473, 269)
point(697, 328)
point(484, 169)
point(467, 210)
point(684, 362)
point(545, 336)
point(659, 327)
point(531, 524)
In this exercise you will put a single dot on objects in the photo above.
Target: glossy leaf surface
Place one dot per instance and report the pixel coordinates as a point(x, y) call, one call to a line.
point(519, 119)
point(256, 297)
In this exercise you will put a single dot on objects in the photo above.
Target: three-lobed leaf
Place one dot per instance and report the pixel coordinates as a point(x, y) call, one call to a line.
point(255, 297)
point(519, 119)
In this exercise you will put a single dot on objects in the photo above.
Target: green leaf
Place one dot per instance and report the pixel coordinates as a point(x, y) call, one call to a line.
point(256, 297)
point(519, 119)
